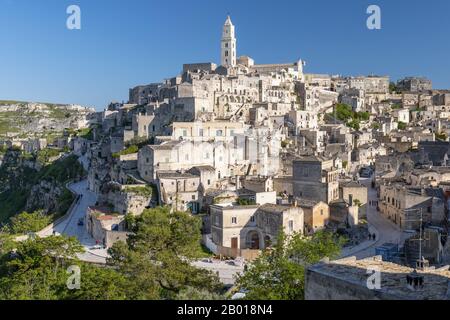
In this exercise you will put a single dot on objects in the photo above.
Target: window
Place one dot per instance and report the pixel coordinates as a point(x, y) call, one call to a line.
point(200, 132)
point(234, 220)
point(193, 197)
point(184, 133)
point(252, 218)
point(147, 160)
point(321, 212)
point(209, 182)
point(226, 45)
point(291, 226)
point(226, 53)
point(219, 133)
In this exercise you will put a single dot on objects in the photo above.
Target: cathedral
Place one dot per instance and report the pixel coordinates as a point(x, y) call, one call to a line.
point(244, 64)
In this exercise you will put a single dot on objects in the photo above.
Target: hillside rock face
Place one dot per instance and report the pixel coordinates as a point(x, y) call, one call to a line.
point(38, 118)
point(45, 196)
point(27, 186)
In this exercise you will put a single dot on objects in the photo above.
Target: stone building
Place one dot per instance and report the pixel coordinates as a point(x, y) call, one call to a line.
point(315, 178)
point(316, 214)
point(180, 190)
point(127, 199)
point(414, 84)
point(303, 119)
point(258, 183)
point(254, 226)
point(351, 279)
point(404, 204)
point(355, 194)
point(183, 155)
point(105, 227)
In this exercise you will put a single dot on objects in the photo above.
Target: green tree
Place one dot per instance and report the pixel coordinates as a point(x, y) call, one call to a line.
point(357, 203)
point(364, 116)
point(392, 87)
point(279, 273)
point(376, 125)
point(99, 283)
point(157, 256)
point(344, 164)
point(6, 242)
point(441, 136)
point(26, 222)
point(198, 294)
point(354, 124)
point(343, 112)
point(36, 269)
point(401, 125)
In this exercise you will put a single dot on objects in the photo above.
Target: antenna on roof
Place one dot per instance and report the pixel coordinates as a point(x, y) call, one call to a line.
point(421, 263)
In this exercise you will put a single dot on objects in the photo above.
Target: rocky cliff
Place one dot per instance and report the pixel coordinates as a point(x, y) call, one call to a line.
point(24, 188)
point(26, 118)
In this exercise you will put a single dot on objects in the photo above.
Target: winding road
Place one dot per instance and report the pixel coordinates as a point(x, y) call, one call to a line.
point(385, 230)
point(70, 227)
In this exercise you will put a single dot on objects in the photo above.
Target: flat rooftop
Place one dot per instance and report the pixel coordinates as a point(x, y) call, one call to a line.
point(393, 277)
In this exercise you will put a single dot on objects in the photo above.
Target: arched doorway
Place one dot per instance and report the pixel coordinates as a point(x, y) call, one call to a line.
point(253, 240)
point(267, 242)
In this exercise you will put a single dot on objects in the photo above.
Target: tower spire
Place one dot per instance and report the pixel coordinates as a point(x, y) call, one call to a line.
point(228, 45)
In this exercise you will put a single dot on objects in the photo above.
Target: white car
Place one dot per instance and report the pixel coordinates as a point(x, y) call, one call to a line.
point(97, 247)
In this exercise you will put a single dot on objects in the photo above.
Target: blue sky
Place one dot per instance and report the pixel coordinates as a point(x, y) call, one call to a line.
point(125, 43)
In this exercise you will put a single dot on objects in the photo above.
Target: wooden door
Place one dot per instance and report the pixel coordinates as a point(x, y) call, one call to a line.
point(234, 243)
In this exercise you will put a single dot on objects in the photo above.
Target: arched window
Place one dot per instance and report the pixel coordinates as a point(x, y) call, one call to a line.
point(226, 53)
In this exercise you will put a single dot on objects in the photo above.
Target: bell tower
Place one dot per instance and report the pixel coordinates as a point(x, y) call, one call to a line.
point(228, 47)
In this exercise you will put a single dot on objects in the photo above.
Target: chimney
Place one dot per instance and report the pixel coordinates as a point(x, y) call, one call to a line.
point(422, 264)
point(414, 281)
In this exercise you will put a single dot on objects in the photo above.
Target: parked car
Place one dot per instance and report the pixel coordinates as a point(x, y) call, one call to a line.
point(97, 247)
point(81, 222)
